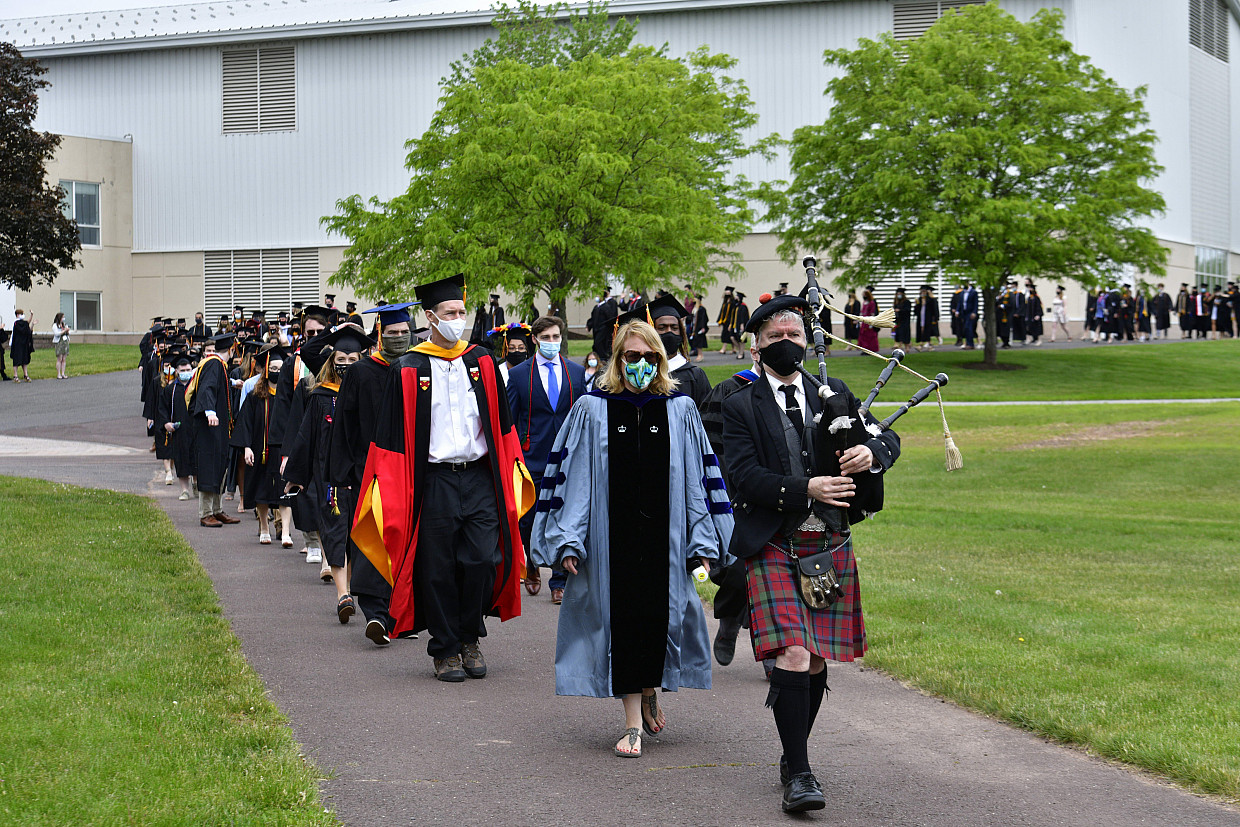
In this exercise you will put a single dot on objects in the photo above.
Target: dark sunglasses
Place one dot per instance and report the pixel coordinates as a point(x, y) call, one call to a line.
point(633, 357)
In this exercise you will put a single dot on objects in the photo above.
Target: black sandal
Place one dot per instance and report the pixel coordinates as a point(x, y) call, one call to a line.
point(651, 703)
point(634, 735)
point(344, 608)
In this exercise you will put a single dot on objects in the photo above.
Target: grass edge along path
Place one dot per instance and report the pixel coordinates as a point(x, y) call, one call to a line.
point(1076, 579)
point(125, 695)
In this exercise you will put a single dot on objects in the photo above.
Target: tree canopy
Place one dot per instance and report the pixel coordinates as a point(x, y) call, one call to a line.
point(563, 157)
point(987, 148)
point(36, 237)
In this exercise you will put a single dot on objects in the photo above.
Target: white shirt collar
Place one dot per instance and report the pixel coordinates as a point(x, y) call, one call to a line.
point(543, 360)
point(676, 362)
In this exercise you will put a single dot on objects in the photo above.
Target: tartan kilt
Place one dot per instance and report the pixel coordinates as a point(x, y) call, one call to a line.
point(778, 618)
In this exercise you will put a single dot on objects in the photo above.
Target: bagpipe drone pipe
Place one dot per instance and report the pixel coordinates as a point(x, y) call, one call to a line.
point(839, 428)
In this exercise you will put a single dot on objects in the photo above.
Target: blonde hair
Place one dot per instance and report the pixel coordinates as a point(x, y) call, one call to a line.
point(327, 373)
point(612, 380)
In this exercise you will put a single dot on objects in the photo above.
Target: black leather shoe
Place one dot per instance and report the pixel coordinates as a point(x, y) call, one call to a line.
point(725, 640)
point(802, 794)
point(449, 669)
point(377, 632)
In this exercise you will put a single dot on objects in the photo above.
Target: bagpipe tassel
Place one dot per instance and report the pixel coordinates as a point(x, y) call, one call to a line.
point(953, 460)
point(885, 319)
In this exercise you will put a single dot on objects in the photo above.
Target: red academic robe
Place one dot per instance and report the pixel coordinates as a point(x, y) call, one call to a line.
point(385, 526)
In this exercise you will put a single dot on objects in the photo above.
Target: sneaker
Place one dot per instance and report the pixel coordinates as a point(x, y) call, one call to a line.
point(168, 478)
point(314, 555)
point(184, 495)
point(264, 539)
point(474, 664)
point(377, 632)
point(449, 669)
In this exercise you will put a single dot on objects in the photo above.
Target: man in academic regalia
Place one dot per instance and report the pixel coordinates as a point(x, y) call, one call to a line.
point(1003, 316)
point(1017, 315)
point(352, 316)
point(200, 330)
point(728, 332)
point(784, 504)
point(968, 313)
point(356, 417)
point(602, 324)
point(438, 512)
point(210, 399)
point(957, 316)
point(1161, 307)
point(668, 315)
point(1184, 311)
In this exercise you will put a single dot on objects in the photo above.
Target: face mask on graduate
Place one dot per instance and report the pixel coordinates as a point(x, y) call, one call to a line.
point(185, 375)
point(671, 342)
point(549, 350)
point(515, 357)
point(342, 369)
point(450, 329)
point(592, 363)
point(395, 344)
point(782, 356)
point(640, 374)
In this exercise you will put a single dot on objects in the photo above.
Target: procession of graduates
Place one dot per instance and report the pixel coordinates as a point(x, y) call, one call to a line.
point(432, 477)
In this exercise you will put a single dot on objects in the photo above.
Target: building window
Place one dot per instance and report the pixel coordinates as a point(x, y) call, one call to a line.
point(81, 204)
point(911, 20)
point(1211, 267)
point(259, 90)
point(82, 310)
point(269, 280)
point(1208, 26)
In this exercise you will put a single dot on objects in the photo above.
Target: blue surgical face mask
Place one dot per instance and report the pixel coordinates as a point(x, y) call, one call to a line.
point(549, 350)
point(640, 374)
point(592, 363)
point(185, 375)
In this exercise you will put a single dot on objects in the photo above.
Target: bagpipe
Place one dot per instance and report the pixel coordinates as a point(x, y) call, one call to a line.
point(836, 429)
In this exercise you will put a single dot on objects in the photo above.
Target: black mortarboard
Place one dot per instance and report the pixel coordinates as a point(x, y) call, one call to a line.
point(666, 306)
point(223, 340)
point(348, 338)
point(729, 287)
point(239, 308)
point(495, 297)
point(315, 310)
point(450, 289)
point(767, 309)
point(331, 297)
point(740, 295)
point(271, 350)
point(350, 306)
point(251, 346)
point(297, 306)
point(167, 321)
point(157, 319)
point(899, 289)
point(637, 315)
point(180, 322)
point(182, 359)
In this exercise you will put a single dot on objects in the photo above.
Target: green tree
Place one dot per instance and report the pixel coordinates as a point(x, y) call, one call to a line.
point(563, 157)
point(36, 238)
point(986, 148)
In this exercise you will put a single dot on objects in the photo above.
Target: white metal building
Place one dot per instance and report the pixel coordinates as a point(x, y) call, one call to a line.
point(208, 139)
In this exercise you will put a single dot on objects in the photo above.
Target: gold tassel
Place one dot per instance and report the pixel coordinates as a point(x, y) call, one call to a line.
point(886, 319)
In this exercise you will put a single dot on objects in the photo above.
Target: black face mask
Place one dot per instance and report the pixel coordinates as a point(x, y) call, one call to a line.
point(342, 369)
point(515, 357)
point(671, 343)
point(783, 356)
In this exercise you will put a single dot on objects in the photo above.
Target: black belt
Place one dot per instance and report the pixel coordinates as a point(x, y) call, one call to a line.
point(460, 466)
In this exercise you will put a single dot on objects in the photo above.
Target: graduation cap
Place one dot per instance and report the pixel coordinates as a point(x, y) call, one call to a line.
point(348, 338)
point(271, 350)
point(167, 322)
point(390, 314)
point(198, 340)
point(251, 346)
point(297, 306)
point(350, 306)
point(238, 308)
point(180, 323)
point(282, 317)
point(495, 297)
point(315, 310)
point(450, 289)
point(157, 319)
point(222, 340)
point(182, 359)
point(329, 297)
point(768, 309)
point(666, 305)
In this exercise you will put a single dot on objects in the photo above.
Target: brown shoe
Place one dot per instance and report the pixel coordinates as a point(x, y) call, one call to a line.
point(557, 596)
point(449, 669)
point(474, 664)
point(209, 522)
point(224, 518)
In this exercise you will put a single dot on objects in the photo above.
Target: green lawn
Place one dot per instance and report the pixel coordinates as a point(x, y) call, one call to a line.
point(124, 694)
point(1171, 371)
point(83, 359)
point(1079, 578)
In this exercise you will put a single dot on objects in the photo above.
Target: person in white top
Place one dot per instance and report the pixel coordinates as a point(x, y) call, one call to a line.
point(60, 343)
point(1059, 315)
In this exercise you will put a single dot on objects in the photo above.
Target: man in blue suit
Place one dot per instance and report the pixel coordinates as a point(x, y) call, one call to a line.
point(541, 390)
point(968, 314)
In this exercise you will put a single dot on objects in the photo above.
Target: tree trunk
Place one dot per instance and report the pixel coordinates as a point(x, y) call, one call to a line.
point(990, 339)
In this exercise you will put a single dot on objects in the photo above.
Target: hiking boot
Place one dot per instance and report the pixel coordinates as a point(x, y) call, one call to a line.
point(449, 669)
point(475, 666)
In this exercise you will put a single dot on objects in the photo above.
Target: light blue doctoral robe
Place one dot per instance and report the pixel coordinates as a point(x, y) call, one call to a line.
point(573, 520)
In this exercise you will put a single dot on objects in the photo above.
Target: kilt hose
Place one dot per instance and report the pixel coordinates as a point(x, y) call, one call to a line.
point(778, 618)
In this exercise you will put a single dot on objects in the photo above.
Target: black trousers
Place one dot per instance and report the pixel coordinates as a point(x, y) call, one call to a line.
point(732, 599)
point(458, 550)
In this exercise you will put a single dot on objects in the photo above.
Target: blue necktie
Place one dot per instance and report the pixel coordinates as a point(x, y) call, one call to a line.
point(553, 386)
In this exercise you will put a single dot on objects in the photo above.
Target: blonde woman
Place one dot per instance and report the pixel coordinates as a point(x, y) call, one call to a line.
point(636, 501)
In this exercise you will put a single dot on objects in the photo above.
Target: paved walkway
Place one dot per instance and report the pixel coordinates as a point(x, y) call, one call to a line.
point(398, 747)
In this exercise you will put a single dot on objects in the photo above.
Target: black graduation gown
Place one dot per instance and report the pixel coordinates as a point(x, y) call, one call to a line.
point(692, 382)
point(1033, 316)
point(930, 328)
point(851, 328)
point(21, 344)
point(701, 324)
point(263, 483)
point(904, 315)
point(307, 453)
point(179, 445)
point(150, 398)
point(305, 509)
point(353, 429)
point(211, 443)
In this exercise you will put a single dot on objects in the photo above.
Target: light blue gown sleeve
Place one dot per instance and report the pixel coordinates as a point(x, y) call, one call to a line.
point(707, 505)
point(562, 517)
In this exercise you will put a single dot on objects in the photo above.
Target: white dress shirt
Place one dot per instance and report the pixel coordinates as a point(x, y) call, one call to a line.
point(676, 362)
point(776, 383)
point(456, 425)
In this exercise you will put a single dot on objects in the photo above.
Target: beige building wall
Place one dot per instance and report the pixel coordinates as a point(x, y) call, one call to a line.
point(105, 269)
